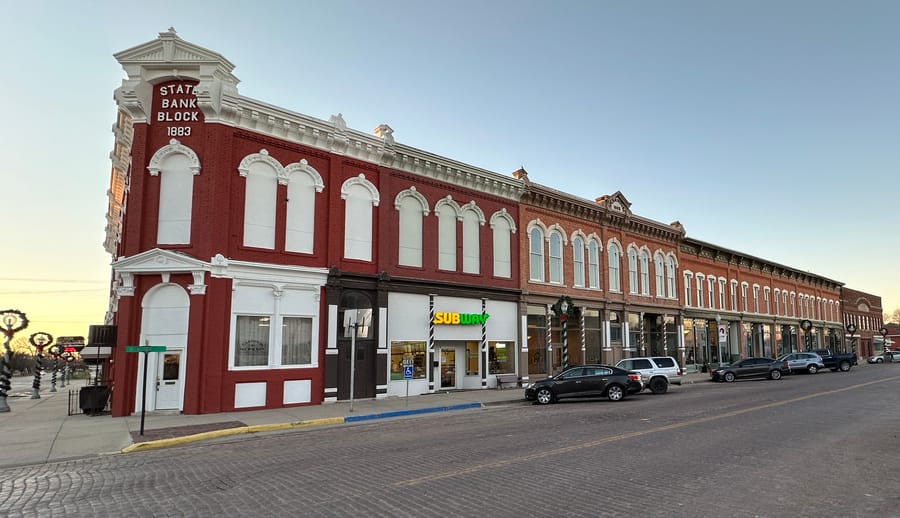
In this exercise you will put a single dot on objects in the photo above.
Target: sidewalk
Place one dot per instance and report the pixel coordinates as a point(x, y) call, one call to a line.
point(37, 431)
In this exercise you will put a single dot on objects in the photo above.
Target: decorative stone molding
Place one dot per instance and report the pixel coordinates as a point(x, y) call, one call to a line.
point(411, 193)
point(174, 148)
point(502, 214)
point(158, 262)
point(303, 167)
point(471, 206)
point(263, 156)
point(360, 180)
point(448, 202)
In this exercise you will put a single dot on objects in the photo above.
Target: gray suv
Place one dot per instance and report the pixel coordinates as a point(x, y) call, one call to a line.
point(657, 372)
point(803, 362)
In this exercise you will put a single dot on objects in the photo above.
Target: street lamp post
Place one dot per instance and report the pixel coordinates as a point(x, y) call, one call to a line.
point(13, 322)
point(55, 351)
point(851, 328)
point(564, 310)
point(806, 326)
point(38, 340)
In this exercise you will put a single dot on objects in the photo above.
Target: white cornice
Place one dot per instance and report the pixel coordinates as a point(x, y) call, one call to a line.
point(169, 57)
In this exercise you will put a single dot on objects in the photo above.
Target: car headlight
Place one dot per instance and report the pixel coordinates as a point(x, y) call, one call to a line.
point(720, 371)
point(529, 385)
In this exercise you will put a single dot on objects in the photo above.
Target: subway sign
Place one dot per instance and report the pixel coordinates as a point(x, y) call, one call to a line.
point(460, 319)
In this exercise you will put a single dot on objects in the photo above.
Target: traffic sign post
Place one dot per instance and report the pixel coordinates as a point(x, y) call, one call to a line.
point(146, 349)
point(407, 375)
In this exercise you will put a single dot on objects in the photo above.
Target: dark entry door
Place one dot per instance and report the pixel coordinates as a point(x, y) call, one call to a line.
point(364, 381)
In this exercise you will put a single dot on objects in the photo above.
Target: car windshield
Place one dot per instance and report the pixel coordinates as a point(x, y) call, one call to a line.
point(782, 358)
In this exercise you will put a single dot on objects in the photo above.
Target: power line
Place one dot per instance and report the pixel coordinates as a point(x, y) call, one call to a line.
point(76, 281)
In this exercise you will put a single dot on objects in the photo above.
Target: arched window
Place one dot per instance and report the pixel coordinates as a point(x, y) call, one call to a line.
point(578, 261)
point(503, 227)
point(412, 208)
point(632, 270)
point(659, 274)
point(303, 182)
point(593, 264)
point(176, 165)
point(472, 220)
point(360, 197)
point(613, 252)
point(447, 212)
point(536, 255)
point(556, 245)
point(645, 272)
point(261, 188)
point(670, 277)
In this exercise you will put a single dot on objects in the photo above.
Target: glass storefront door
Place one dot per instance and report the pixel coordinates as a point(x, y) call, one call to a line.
point(449, 368)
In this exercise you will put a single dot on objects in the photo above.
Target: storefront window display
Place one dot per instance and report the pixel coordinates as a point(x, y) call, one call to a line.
point(414, 351)
point(472, 358)
point(501, 358)
point(635, 336)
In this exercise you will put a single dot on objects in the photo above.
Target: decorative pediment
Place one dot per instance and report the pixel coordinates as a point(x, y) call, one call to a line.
point(169, 50)
point(158, 262)
point(615, 203)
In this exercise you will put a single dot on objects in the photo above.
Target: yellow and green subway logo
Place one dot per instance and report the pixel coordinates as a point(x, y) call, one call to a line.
point(460, 319)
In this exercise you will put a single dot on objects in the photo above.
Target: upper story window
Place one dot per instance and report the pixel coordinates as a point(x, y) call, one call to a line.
point(503, 228)
point(755, 298)
point(578, 261)
point(700, 279)
point(593, 264)
point(555, 254)
point(766, 292)
point(472, 221)
point(670, 277)
point(777, 305)
point(448, 213)
point(260, 191)
point(644, 258)
point(412, 208)
point(688, 282)
point(659, 275)
point(176, 165)
point(793, 304)
point(536, 252)
point(303, 182)
point(722, 293)
point(360, 198)
point(710, 291)
point(632, 270)
point(734, 295)
point(614, 253)
point(744, 306)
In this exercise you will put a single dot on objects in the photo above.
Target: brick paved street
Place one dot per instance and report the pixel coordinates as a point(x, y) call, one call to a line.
point(751, 448)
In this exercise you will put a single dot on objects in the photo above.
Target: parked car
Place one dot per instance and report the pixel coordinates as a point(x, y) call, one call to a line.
point(837, 361)
point(657, 372)
point(803, 362)
point(879, 358)
point(751, 368)
point(606, 381)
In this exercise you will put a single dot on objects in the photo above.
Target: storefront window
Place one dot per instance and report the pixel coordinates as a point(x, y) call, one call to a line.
point(252, 341)
point(501, 358)
point(409, 351)
point(537, 339)
point(635, 337)
point(472, 358)
point(592, 336)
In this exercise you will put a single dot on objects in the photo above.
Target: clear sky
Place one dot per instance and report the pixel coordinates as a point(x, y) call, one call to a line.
point(770, 127)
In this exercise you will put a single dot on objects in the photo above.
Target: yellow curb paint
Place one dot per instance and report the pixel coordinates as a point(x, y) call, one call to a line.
point(175, 441)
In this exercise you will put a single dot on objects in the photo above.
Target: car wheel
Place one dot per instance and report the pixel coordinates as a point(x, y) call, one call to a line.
point(775, 374)
point(659, 385)
point(544, 396)
point(615, 393)
point(812, 369)
point(879, 360)
point(845, 366)
point(729, 377)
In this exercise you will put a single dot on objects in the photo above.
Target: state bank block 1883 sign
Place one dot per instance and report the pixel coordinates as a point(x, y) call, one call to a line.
point(176, 108)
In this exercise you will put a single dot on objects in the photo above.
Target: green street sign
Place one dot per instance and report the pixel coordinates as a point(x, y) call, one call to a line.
point(145, 348)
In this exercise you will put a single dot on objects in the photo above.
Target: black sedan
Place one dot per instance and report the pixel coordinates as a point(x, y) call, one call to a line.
point(751, 368)
point(612, 383)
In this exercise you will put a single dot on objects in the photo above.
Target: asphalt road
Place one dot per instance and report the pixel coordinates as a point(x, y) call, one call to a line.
point(821, 445)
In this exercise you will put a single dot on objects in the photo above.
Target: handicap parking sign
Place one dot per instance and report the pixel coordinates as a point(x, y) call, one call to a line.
point(407, 372)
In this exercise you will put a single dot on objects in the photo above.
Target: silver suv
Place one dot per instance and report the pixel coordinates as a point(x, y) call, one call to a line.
point(657, 372)
point(803, 362)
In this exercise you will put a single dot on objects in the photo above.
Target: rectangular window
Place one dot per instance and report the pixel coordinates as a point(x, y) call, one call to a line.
point(296, 341)
point(412, 353)
point(252, 341)
point(593, 265)
point(722, 294)
point(578, 259)
point(711, 287)
point(733, 297)
point(699, 291)
point(687, 290)
point(501, 357)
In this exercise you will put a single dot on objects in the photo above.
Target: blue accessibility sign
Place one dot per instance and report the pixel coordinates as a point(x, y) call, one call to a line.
point(407, 372)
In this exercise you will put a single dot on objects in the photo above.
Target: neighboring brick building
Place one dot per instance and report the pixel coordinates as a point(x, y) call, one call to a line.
point(864, 311)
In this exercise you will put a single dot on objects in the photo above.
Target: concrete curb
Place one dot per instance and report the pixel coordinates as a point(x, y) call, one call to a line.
point(175, 441)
